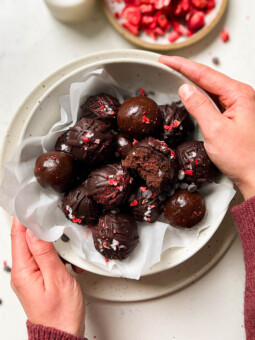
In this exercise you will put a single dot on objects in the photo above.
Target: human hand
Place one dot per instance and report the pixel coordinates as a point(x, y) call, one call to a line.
point(229, 138)
point(49, 294)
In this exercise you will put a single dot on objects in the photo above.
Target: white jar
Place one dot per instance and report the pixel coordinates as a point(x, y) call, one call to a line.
point(71, 11)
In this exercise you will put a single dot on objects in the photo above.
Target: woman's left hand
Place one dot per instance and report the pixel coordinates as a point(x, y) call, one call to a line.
point(49, 294)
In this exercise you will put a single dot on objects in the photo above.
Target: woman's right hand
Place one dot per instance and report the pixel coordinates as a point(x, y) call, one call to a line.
point(229, 137)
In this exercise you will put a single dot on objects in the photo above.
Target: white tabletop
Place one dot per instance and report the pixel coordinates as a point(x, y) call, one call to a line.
point(32, 45)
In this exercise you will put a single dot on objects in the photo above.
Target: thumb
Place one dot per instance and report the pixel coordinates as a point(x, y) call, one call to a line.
point(45, 256)
point(200, 108)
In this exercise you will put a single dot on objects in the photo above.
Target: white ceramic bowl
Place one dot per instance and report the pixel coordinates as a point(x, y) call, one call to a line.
point(131, 69)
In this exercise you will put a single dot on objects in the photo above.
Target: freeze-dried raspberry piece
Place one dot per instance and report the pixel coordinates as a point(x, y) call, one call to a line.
point(173, 36)
point(201, 4)
point(159, 4)
point(224, 35)
point(196, 20)
point(146, 9)
point(131, 28)
point(132, 14)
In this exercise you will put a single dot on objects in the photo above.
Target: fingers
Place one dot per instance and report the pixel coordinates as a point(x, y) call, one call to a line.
point(46, 257)
point(209, 79)
point(21, 255)
point(201, 108)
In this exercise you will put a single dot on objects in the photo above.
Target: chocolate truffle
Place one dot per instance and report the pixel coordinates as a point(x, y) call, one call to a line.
point(54, 169)
point(79, 208)
point(115, 236)
point(177, 123)
point(102, 106)
point(81, 172)
point(195, 163)
point(91, 140)
point(155, 162)
point(124, 145)
point(139, 117)
point(185, 209)
point(145, 205)
point(109, 185)
point(61, 144)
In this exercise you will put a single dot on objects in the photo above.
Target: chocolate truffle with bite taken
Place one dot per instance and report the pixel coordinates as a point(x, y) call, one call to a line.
point(102, 106)
point(116, 235)
point(139, 117)
point(91, 141)
point(79, 208)
point(123, 144)
point(55, 169)
point(110, 185)
point(185, 209)
point(195, 163)
point(145, 205)
point(177, 123)
point(155, 162)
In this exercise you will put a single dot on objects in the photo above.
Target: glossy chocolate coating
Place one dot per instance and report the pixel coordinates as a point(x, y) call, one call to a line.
point(123, 144)
point(145, 206)
point(55, 169)
point(61, 144)
point(81, 172)
point(110, 185)
point(102, 106)
point(116, 235)
point(155, 162)
point(79, 208)
point(185, 209)
point(91, 140)
point(139, 117)
point(195, 162)
point(176, 122)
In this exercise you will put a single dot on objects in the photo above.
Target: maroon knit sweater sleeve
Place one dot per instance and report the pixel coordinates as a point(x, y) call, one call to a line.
point(244, 215)
point(39, 332)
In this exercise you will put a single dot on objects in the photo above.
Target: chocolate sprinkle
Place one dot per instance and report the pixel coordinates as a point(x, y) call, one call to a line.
point(65, 238)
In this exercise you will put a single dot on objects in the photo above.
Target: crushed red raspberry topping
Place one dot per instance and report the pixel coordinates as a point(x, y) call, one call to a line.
point(145, 120)
point(168, 127)
point(176, 123)
point(173, 18)
point(85, 139)
point(76, 220)
point(142, 91)
point(113, 181)
point(134, 203)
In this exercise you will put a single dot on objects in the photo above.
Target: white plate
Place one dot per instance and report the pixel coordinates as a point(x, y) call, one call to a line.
point(41, 110)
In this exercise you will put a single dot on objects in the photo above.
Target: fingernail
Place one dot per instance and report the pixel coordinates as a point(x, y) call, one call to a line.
point(186, 91)
point(31, 235)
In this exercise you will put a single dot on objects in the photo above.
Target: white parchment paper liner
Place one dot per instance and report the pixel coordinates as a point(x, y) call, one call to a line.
point(38, 208)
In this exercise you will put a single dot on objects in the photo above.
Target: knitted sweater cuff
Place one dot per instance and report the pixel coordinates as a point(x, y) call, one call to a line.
point(244, 215)
point(39, 332)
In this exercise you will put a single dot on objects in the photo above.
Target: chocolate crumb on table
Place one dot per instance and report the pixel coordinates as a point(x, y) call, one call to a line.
point(216, 60)
point(7, 268)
